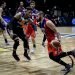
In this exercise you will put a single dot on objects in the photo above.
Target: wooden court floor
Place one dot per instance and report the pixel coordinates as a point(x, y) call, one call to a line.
point(40, 63)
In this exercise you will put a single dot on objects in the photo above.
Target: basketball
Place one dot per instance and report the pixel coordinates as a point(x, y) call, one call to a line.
point(55, 43)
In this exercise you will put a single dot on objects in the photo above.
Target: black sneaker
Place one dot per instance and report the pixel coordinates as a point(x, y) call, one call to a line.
point(26, 55)
point(15, 56)
point(34, 46)
point(67, 69)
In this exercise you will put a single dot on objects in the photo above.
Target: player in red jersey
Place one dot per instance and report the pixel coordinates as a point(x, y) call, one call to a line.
point(34, 13)
point(55, 52)
point(30, 32)
point(30, 27)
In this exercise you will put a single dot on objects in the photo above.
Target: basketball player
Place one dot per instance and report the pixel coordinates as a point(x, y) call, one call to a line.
point(34, 13)
point(34, 31)
point(30, 29)
point(15, 30)
point(3, 23)
point(55, 52)
point(21, 8)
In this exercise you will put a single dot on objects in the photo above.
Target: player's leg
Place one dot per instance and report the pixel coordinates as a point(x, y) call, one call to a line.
point(44, 39)
point(33, 36)
point(58, 60)
point(15, 38)
point(55, 56)
point(16, 44)
point(22, 36)
point(64, 54)
point(4, 33)
point(5, 38)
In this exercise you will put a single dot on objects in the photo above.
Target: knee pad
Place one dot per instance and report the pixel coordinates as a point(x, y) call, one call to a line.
point(17, 42)
point(14, 37)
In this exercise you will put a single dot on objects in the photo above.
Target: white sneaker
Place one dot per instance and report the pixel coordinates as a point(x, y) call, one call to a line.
point(32, 51)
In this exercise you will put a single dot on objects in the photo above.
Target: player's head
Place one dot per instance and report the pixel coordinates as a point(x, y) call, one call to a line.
point(32, 4)
point(28, 12)
point(40, 15)
point(21, 3)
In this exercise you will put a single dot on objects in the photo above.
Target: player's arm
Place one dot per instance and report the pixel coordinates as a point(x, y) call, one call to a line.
point(32, 23)
point(2, 20)
point(51, 25)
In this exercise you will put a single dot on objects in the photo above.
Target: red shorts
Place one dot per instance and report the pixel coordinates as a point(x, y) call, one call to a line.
point(30, 32)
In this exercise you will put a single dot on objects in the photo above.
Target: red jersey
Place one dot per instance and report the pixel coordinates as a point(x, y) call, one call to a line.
point(50, 35)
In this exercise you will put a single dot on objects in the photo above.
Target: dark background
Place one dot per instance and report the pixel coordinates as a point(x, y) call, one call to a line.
point(65, 6)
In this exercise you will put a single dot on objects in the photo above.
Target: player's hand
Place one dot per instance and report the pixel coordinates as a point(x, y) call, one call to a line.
point(57, 39)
